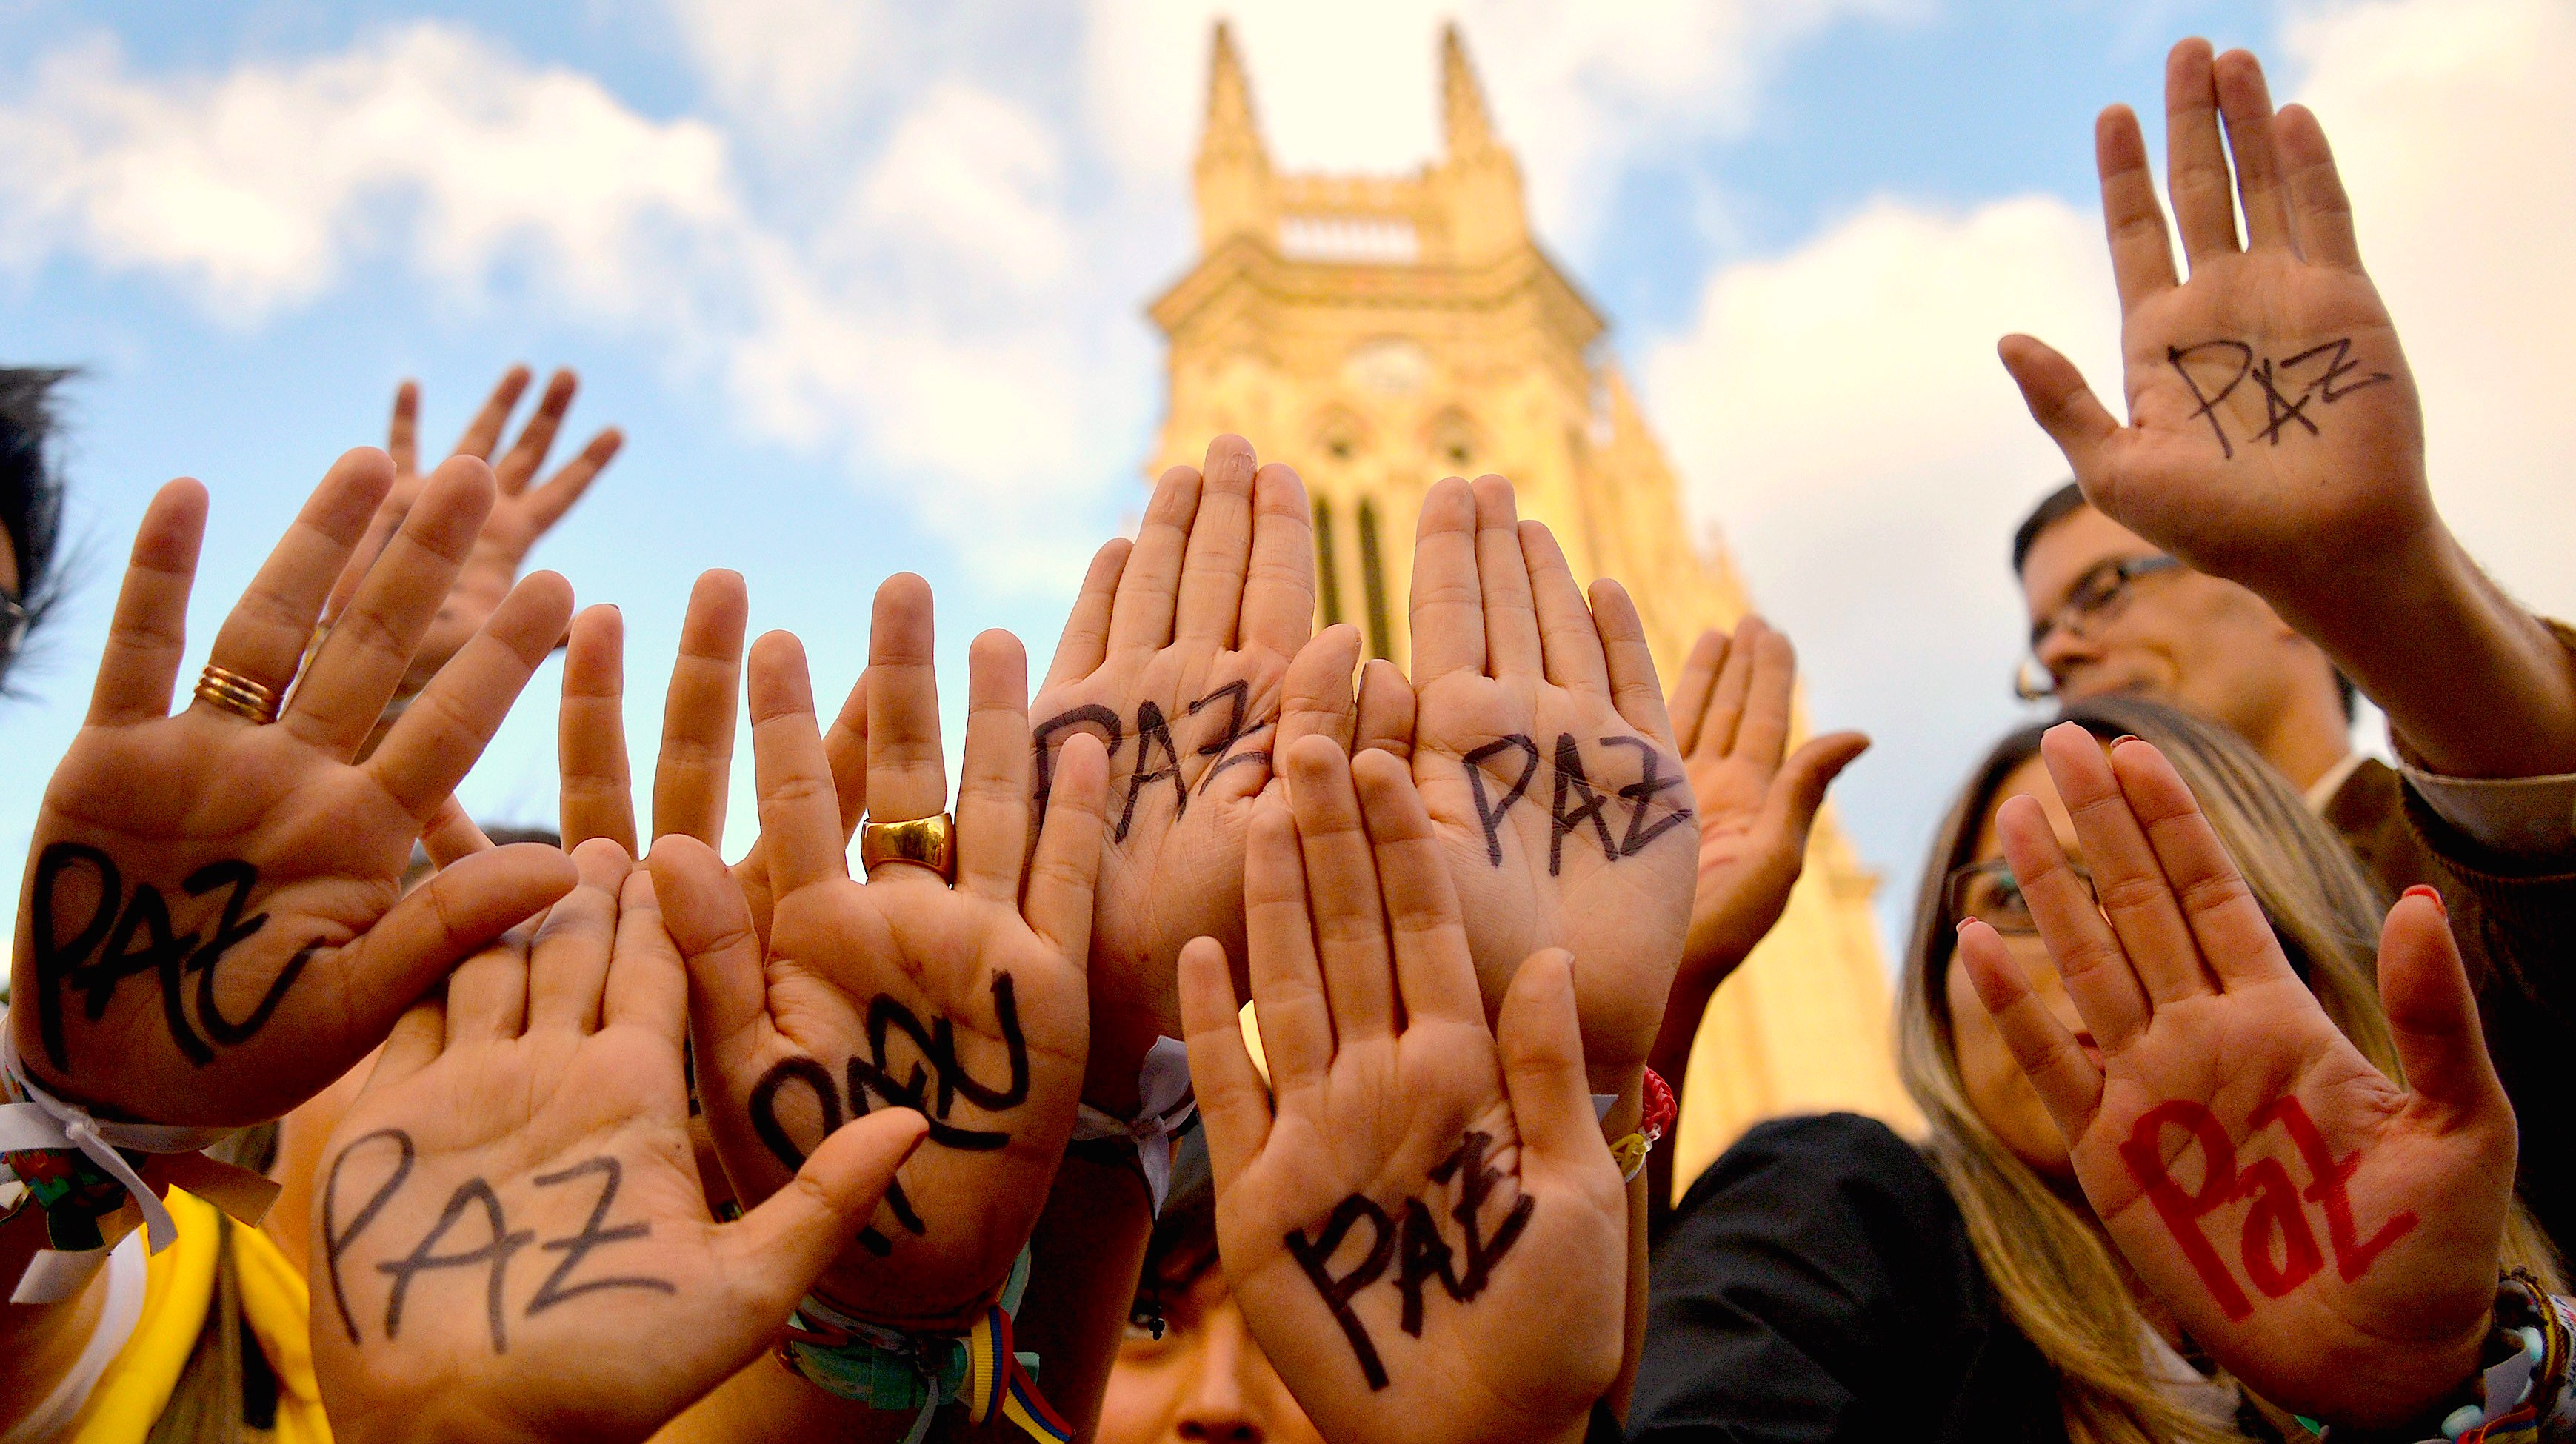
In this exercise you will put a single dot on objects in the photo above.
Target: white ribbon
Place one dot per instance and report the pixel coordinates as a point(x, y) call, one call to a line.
point(1165, 1104)
point(45, 1121)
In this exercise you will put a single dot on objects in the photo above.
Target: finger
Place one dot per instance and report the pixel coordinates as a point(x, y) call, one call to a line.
point(449, 917)
point(2068, 1083)
point(2432, 1014)
point(519, 464)
point(1386, 710)
point(351, 679)
point(648, 985)
point(1502, 576)
point(265, 636)
point(1287, 982)
point(1696, 685)
point(1279, 591)
point(2320, 212)
point(1763, 735)
point(704, 914)
point(149, 632)
point(993, 776)
point(450, 836)
point(1446, 610)
point(419, 1035)
point(2097, 974)
point(694, 773)
point(1729, 691)
point(1319, 697)
point(1065, 867)
point(1799, 791)
point(1634, 689)
point(1149, 585)
point(776, 1253)
point(1219, 552)
point(1540, 1046)
point(799, 816)
point(2220, 911)
point(597, 794)
point(1343, 892)
point(2204, 201)
point(2142, 262)
point(1234, 1105)
point(447, 726)
point(1434, 970)
point(2059, 401)
point(568, 963)
point(907, 769)
point(2128, 877)
point(2245, 102)
point(1569, 643)
point(402, 438)
point(547, 504)
point(484, 432)
point(1085, 642)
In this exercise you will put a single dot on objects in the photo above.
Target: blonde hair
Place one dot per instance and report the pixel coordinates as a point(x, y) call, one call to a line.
point(2057, 1279)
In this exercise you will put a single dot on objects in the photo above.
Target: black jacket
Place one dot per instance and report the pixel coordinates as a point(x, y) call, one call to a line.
point(1817, 1284)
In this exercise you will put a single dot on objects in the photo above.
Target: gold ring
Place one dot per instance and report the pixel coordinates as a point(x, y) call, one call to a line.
point(922, 842)
point(237, 694)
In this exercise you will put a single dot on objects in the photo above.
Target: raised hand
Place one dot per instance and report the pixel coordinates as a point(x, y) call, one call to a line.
point(2274, 432)
point(509, 1232)
point(1542, 750)
point(2328, 1235)
point(694, 770)
point(521, 514)
point(967, 1003)
point(1175, 657)
point(1731, 720)
point(1426, 1234)
point(213, 928)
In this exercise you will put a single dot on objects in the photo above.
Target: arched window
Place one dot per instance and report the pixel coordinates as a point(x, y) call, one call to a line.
point(1381, 638)
point(1328, 573)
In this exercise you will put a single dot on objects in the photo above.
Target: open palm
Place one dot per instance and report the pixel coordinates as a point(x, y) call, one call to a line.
point(213, 930)
point(2325, 1233)
point(900, 990)
point(2273, 424)
point(511, 1237)
point(1426, 1234)
point(1174, 657)
point(1542, 750)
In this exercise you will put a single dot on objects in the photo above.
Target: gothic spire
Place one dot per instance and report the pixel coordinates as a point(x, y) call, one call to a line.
point(1466, 127)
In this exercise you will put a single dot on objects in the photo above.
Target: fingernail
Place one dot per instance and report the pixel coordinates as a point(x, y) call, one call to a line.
point(2123, 737)
point(2431, 895)
point(1962, 925)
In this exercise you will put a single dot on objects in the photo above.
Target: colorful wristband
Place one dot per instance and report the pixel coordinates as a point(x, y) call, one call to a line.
point(895, 1369)
point(1660, 1112)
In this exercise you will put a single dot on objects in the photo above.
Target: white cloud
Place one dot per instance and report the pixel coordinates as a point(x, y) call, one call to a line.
point(1839, 409)
point(258, 185)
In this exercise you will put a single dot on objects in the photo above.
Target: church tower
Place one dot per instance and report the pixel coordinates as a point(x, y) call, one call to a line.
point(1378, 333)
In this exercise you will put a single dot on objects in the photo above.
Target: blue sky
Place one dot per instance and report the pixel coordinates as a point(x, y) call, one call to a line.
point(863, 285)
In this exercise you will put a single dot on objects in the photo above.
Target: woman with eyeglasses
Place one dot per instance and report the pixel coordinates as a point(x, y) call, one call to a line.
point(1827, 1279)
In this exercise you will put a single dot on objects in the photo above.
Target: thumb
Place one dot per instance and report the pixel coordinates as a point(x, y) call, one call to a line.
point(2431, 1012)
point(704, 912)
point(775, 1252)
point(1799, 790)
point(2059, 400)
point(1540, 1044)
point(1320, 693)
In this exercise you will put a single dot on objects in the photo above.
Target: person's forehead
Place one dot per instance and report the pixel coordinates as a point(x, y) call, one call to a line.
point(2030, 777)
point(2075, 544)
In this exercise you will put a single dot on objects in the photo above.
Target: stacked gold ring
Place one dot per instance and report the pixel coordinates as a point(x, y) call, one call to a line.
point(924, 842)
point(237, 694)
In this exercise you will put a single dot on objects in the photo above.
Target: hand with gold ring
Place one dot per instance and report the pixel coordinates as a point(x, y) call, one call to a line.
point(213, 928)
point(968, 1003)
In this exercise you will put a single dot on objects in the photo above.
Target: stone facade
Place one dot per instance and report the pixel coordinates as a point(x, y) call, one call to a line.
point(1380, 332)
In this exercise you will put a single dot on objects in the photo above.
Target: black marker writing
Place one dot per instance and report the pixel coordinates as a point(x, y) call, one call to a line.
point(1151, 729)
point(335, 1240)
point(493, 1257)
point(1570, 778)
point(1316, 1258)
point(1575, 803)
point(1640, 795)
point(1235, 730)
point(578, 1247)
point(2284, 401)
point(1490, 814)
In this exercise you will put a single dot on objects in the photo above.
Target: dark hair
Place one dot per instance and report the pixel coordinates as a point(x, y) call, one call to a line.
point(31, 491)
point(2064, 502)
point(2053, 508)
point(1183, 1247)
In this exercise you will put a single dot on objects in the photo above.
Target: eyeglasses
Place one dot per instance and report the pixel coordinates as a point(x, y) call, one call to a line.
point(1988, 892)
point(2098, 599)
